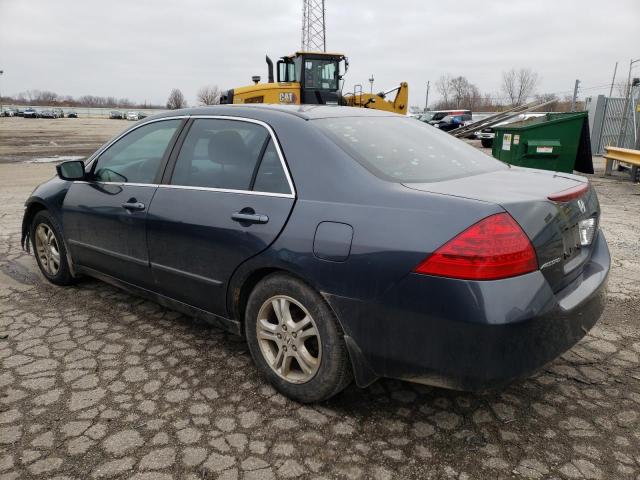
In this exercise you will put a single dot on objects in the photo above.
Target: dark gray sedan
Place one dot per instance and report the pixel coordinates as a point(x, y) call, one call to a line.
point(342, 243)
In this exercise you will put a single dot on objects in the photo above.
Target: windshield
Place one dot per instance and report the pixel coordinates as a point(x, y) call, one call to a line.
point(399, 149)
point(320, 74)
point(439, 116)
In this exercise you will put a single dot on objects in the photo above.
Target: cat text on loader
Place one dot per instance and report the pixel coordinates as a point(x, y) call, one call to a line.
point(314, 78)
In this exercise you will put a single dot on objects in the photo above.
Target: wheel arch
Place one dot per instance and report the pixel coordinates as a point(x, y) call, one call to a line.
point(363, 373)
point(33, 206)
point(243, 287)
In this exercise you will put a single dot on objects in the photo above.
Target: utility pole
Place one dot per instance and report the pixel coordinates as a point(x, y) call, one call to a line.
point(613, 80)
point(575, 96)
point(426, 100)
point(625, 111)
point(1, 72)
point(371, 82)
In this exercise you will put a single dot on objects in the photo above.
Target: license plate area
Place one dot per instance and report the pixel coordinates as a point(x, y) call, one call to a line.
point(571, 243)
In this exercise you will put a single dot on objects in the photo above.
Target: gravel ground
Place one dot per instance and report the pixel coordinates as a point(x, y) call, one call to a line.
point(36, 138)
point(95, 383)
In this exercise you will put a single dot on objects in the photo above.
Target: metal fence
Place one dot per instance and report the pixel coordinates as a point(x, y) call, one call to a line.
point(87, 112)
point(613, 121)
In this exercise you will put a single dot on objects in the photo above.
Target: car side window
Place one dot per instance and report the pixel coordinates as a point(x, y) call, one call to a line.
point(271, 177)
point(137, 156)
point(225, 154)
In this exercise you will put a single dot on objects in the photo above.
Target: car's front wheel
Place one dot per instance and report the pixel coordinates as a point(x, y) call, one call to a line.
point(49, 248)
point(487, 142)
point(295, 340)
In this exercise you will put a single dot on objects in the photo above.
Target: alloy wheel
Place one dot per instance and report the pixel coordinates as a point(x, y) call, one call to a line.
point(47, 249)
point(289, 339)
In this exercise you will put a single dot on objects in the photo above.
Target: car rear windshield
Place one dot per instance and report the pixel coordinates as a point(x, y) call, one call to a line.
point(404, 150)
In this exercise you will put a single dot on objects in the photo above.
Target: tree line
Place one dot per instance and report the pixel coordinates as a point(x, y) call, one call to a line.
point(207, 95)
point(518, 87)
point(47, 97)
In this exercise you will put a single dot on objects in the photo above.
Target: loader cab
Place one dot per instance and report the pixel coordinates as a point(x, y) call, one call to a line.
point(318, 74)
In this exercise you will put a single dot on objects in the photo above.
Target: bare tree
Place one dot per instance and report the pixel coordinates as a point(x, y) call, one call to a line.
point(518, 85)
point(459, 88)
point(209, 95)
point(548, 97)
point(457, 92)
point(176, 100)
point(443, 86)
point(47, 97)
point(473, 97)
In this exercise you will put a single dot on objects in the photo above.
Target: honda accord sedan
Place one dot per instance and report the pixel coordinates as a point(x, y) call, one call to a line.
point(342, 243)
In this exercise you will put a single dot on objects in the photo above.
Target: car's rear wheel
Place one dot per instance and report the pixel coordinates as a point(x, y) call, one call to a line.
point(49, 248)
point(487, 142)
point(295, 340)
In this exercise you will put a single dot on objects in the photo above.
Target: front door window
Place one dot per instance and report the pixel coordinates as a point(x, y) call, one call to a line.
point(136, 158)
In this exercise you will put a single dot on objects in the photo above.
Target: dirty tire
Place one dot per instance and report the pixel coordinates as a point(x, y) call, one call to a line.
point(487, 142)
point(333, 371)
point(63, 274)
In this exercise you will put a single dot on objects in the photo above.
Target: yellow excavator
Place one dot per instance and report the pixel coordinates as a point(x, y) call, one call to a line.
point(315, 78)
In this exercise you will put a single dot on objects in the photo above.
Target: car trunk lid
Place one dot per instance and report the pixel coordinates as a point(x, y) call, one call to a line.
point(552, 226)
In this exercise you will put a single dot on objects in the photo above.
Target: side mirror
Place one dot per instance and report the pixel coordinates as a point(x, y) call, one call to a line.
point(71, 170)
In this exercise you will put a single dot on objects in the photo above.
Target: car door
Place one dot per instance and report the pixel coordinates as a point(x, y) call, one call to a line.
point(104, 218)
point(228, 198)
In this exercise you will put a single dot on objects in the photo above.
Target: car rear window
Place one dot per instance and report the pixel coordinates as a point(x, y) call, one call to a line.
point(402, 150)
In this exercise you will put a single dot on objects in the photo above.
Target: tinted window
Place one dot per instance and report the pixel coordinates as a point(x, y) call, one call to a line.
point(320, 74)
point(220, 154)
point(401, 150)
point(270, 176)
point(136, 157)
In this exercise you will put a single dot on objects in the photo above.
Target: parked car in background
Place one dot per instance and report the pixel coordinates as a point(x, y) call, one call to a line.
point(486, 135)
point(9, 112)
point(438, 264)
point(141, 115)
point(132, 116)
point(451, 122)
point(72, 114)
point(435, 116)
point(59, 112)
point(19, 112)
point(30, 113)
point(116, 115)
point(48, 113)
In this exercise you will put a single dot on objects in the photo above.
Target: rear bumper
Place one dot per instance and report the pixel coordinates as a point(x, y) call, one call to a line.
point(470, 335)
point(484, 135)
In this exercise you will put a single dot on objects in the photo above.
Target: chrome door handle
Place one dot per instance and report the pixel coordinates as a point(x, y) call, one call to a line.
point(249, 218)
point(133, 206)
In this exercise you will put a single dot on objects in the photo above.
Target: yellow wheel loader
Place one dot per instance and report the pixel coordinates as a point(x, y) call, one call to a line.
point(314, 78)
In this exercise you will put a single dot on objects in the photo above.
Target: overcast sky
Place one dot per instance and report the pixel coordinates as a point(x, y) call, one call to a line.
point(141, 49)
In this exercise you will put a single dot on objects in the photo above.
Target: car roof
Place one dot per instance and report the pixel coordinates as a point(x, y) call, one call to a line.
point(307, 112)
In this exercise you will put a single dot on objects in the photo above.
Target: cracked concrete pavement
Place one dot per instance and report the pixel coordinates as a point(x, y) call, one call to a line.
point(96, 383)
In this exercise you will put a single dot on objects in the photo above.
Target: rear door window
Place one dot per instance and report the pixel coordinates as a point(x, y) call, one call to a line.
point(270, 176)
point(399, 149)
point(229, 155)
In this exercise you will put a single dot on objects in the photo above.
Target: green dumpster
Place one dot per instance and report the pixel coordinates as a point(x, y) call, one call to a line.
point(556, 141)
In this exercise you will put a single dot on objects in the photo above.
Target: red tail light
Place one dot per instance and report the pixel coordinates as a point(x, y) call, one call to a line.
point(495, 247)
point(570, 193)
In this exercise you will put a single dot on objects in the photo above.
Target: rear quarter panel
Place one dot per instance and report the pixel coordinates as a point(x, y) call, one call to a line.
point(394, 228)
